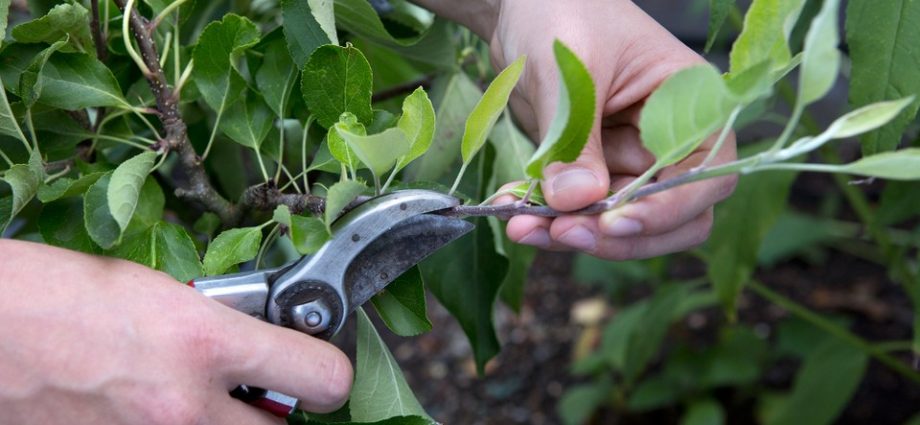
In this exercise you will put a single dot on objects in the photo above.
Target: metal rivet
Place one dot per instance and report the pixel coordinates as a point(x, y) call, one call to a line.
point(355, 237)
point(313, 319)
point(403, 206)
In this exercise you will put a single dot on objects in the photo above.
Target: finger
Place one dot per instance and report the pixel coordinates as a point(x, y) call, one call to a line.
point(623, 151)
point(533, 231)
point(668, 210)
point(287, 361)
point(230, 411)
point(582, 233)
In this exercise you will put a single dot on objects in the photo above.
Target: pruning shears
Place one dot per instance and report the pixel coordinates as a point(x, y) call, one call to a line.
point(372, 244)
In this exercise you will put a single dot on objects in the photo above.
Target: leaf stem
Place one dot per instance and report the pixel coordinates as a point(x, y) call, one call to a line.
point(833, 329)
point(265, 244)
point(791, 125)
point(166, 11)
point(390, 180)
point(457, 180)
point(722, 136)
point(207, 149)
point(31, 126)
point(261, 165)
point(58, 175)
point(129, 45)
point(159, 163)
point(303, 153)
point(184, 77)
point(6, 158)
point(165, 54)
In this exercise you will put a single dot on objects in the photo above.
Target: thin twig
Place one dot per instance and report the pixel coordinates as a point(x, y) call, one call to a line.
point(102, 52)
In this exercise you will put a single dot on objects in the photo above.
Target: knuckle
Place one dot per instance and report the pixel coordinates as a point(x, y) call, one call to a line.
point(201, 339)
point(335, 371)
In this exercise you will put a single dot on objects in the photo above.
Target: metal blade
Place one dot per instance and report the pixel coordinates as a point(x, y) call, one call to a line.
point(397, 251)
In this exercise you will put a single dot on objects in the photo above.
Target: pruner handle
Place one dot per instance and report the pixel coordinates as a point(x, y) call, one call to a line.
point(247, 293)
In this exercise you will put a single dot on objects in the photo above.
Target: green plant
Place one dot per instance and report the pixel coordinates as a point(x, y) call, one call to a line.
point(262, 116)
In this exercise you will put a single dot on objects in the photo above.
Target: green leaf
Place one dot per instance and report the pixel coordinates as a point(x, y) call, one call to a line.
point(753, 83)
point(232, 247)
point(868, 118)
point(380, 151)
point(308, 24)
point(380, 390)
point(741, 224)
point(30, 82)
point(829, 376)
point(101, 226)
point(338, 197)
point(219, 47)
point(125, 186)
point(575, 114)
point(402, 306)
point(74, 81)
point(4, 17)
point(512, 149)
point(881, 38)
point(248, 121)
point(150, 208)
point(69, 20)
point(466, 276)
point(165, 247)
point(8, 124)
point(903, 164)
point(490, 107)
point(337, 145)
point(820, 57)
point(718, 11)
point(767, 26)
point(578, 404)
point(359, 17)
point(61, 224)
point(277, 75)
point(704, 412)
point(308, 234)
point(282, 215)
point(686, 109)
point(418, 123)
point(336, 80)
point(455, 96)
point(23, 181)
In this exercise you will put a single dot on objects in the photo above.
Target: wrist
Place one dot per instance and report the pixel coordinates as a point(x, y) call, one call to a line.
point(480, 16)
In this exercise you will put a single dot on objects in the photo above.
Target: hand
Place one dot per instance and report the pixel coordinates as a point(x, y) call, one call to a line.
point(629, 55)
point(87, 340)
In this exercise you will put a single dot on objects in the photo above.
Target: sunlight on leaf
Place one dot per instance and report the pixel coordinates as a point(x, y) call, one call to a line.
point(232, 247)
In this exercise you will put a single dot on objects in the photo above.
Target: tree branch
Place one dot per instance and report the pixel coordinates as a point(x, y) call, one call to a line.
point(197, 186)
point(102, 52)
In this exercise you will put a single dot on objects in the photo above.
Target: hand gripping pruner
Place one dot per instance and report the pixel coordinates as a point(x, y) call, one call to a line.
point(372, 245)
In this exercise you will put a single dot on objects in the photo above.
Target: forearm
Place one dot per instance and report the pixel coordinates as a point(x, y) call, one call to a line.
point(480, 16)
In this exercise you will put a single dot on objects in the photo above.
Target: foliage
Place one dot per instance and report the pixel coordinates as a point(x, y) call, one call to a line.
point(190, 137)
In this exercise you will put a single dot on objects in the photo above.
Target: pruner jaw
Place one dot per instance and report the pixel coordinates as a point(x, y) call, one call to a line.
point(371, 246)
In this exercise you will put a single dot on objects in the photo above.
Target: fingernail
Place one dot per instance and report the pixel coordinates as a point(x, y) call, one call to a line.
point(579, 237)
point(573, 179)
point(538, 237)
point(622, 227)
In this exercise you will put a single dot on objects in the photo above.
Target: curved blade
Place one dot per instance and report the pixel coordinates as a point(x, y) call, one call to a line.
point(397, 251)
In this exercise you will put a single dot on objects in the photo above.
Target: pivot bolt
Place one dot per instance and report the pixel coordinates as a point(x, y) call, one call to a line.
point(313, 319)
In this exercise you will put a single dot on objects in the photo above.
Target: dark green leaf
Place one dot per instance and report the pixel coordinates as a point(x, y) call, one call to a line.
point(30, 82)
point(575, 114)
point(66, 187)
point(275, 78)
point(380, 391)
point(100, 224)
point(402, 305)
point(704, 412)
point(579, 403)
point(230, 248)
point(23, 181)
point(339, 196)
point(4, 17)
point(220, 46)
point(69, 20)
point(248, 121)
point(359, 17)
point(336, 80)
point(881, 38)
point(718, 11)
point(75, 81)
point(61, 224)
point(308, 24)
point(741, 223)
point(8, 123)
point(165, 247)
point(308, 234)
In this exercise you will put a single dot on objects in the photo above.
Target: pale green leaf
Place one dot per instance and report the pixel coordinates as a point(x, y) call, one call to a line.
point(308, 24)
point(868, 118)
point(380, 390)
point(339, 196)
point(282, 215)
point(686, 109)
point(336, 80)
point(308, 234)
point(100, 225)
point(24, 181)
point(575, 114)
point(490, 106)
point(718, 11)
point(765, 35)
point(402, 305)
point(820, 57)
point(380, 151)
point(68, 20)
point(232, 247)
point(219, 47)
point(165, 247)
point(418, 123)
point(751, 84)
point(882, 38)
point(125, 186)
point(337, 145)
point(902, 164)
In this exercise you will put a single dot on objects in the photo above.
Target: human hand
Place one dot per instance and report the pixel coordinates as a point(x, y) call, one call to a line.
point(629, 55)
point(87, 340)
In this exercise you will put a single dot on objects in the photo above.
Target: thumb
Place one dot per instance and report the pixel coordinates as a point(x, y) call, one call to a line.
point(572, 186)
